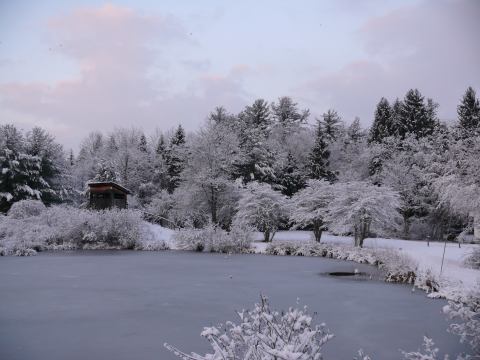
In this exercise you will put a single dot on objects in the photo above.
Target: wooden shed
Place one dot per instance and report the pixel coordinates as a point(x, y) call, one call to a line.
point(105, 195)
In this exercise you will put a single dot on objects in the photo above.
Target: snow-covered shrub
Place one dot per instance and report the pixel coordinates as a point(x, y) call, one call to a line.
point(473, 260)
point(214, 239)
point(468, 315)
point(264, 334)
point(262, 207)
point(429, 351)
point(191, 239)
point(397, 267)
point(67, 227)
point(26, 208)
point(427, 281)
point(152, 245)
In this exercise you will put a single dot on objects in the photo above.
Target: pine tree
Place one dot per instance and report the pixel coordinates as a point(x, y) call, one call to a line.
point(382, 123)
point(41, 144)
point(71, 158)
point(161, 148)
point(106, 172)
point(111, 145)
point(354, 131)
point(178, 138)
point(319, 157)
point(291, 178)
point(286, 112)
point(255, 128)
point(160, 176)
point(331, 124)
point(469, 112)
point(20, 173)
point(142, 145)
point(417, 117)
point(175, 158)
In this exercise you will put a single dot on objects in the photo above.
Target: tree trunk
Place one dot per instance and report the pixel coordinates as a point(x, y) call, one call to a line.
point(213, 205)
point(266, 235)
point(406, 226)
point(317, 230)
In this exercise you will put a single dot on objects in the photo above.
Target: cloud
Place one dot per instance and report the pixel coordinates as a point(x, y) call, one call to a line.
point(432, 46)
point(116, 49)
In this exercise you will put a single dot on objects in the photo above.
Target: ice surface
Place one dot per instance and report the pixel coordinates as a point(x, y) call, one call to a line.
point(126, 304)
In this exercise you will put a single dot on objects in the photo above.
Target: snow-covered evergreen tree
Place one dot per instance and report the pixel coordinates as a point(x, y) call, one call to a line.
point(290, 178)
point(354, 131)
point(331, 124)
point(53, 168)
point(416, 116)
point(469, 113)
point(255, 128)
point(175, 158)
point(106, 172)
point(287, 116)
point(382, 122)
point(319, 156)
point(20, 173)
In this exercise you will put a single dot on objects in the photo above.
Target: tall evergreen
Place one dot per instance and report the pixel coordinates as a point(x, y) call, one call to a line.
point(41, 144)
point(318, 159)
point(469, 112)
point(417, 117)
point(175, 158)
point(161, 147)
point(331, 124)
point(396, 117)
point(20, 176)
point(286, 112)
point(142, 144)
point(255, 128)
point(354, 131)
point(382, 123)
point(291, 178)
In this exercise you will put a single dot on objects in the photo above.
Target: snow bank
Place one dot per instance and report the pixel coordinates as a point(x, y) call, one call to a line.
point(453, 280)
point(162, 234)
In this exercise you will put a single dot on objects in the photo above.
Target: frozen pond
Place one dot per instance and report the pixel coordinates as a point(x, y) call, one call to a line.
point(125, 305)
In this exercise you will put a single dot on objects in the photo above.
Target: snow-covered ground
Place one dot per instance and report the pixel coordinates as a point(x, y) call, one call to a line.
point(454, 273)
point(162, 234)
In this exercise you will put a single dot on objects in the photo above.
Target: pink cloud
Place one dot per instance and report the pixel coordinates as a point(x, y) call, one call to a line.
point(115, 48)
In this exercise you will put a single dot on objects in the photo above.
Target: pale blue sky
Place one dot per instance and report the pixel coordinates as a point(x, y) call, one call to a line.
point(76, 66)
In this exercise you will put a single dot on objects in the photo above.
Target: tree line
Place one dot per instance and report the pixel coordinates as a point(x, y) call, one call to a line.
point(204, 176)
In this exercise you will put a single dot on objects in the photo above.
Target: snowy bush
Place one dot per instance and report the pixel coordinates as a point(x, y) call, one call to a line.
point(66, 227)
point(214, 239)
point(467, 327)
point(473, 260)
point(264, 334)
point(396, 267)
point(468, 314)
point(26, 208)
